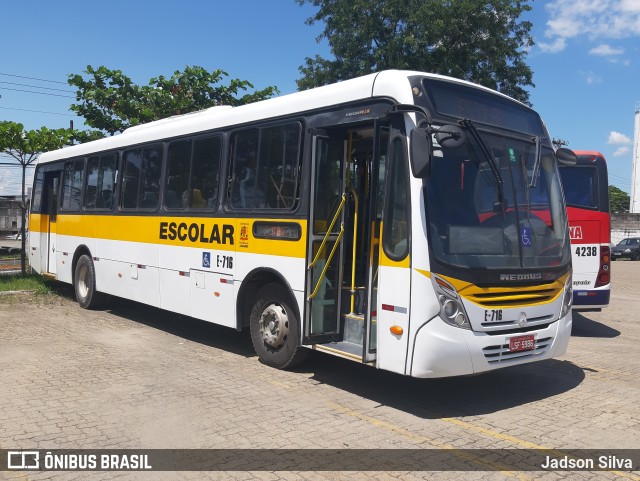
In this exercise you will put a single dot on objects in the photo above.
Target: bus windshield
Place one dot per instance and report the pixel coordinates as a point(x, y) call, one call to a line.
point(580, 185)
point(486, 210)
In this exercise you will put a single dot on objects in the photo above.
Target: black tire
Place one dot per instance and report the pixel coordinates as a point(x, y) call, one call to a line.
point(277, 343)
point(84, 283)
point(635, 256)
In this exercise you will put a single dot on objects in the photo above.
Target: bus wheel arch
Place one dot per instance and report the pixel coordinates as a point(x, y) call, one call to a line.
point(267, 305)
point(84, 280)
point(249, 288)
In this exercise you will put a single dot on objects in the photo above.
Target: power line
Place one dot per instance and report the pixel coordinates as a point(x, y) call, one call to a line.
point(619, 179)
point(36, 86)
point(40, 93)
point(37, 111)
point(33, 78)
point(618, 176)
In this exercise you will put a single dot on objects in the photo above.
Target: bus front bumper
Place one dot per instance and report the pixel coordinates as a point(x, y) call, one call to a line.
point(441, 350)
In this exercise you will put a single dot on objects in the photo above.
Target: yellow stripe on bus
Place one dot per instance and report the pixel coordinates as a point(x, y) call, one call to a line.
point(505, 296)
point(198, 232)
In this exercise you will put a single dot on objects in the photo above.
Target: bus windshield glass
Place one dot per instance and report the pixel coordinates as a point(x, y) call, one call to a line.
point(580, 186)
point(486, 210)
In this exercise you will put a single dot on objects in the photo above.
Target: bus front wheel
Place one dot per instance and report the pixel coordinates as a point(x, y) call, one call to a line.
point(275, 328)
point(85, 284)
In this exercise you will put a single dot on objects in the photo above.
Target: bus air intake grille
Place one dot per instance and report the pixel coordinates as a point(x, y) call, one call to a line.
point(500, 353)
point(513, 297)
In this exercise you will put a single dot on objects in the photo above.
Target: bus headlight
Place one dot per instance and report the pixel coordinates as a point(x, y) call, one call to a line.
point(451, 310)
point(567, 301)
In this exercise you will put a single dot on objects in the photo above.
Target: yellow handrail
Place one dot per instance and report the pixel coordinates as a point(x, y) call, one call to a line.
point(326, 266)
point(326, 236)
point(353, 251)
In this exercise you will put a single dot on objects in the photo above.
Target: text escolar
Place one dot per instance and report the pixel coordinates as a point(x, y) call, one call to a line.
point(197, 232)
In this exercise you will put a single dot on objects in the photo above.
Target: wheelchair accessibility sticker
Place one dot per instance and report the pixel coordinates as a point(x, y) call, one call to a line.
point(525, 236)
point(206, 259)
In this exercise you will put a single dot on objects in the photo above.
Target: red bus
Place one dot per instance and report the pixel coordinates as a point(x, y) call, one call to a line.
point(586, 191)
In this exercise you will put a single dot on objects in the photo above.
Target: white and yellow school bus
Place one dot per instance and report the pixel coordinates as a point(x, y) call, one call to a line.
point(405, 220)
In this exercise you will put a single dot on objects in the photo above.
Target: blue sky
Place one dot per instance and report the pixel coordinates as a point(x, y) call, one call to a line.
point(586, 60)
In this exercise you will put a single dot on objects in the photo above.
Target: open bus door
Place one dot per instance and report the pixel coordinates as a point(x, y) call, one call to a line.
point(348, 166)
point(48, 227)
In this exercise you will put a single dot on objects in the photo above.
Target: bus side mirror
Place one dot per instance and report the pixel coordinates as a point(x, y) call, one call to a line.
point(566, 157)
point(421, 148)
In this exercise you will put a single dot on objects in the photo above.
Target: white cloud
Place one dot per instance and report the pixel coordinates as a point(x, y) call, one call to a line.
point(604, 50)
point(593, 19)
point(630, 6)
point(621, 151)
point(591, 78)
point(558, 45)
point(616, 138)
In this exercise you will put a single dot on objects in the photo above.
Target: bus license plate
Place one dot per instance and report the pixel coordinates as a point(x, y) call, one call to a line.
point(522, 343)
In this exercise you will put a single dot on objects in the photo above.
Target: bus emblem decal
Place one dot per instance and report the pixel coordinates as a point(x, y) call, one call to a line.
point(535, 276)
point(522, 321)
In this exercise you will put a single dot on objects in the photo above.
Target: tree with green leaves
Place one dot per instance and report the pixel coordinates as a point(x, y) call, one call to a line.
point(25, 146)
point(619, 200)
point(483, 42)
point(110, 101)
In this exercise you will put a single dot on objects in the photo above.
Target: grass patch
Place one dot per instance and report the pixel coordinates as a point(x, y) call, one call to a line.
point(29, 282)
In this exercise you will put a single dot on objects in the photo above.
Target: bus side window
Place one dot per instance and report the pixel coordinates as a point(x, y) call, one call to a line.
point(395, 237)
point(91, 186)
point(176, 194)
point(141, 180)
point(244, 147)
point(106, 181)
point(278, 166)
point(36, 201)
point(72, 185)
point(205, 169)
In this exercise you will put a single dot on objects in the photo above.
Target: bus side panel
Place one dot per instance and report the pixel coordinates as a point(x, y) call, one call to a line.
point(175, 285)
point(212, 297)
point(589, 232)
point(36, 238)
point(73, 231)
point(129, 270)
point(393, 310)
point(292, 269)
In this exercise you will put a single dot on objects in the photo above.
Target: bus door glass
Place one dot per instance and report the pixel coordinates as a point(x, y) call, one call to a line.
point(374, 220)
point(392, 305)
point(325, 235)
point(50, 211)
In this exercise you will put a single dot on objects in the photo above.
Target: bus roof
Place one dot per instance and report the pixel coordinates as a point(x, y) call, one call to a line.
point(392, 84)
point(593, 153)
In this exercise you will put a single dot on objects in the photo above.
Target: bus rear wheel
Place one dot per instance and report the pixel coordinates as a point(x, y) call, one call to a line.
point(275, 328)
point(85, 284)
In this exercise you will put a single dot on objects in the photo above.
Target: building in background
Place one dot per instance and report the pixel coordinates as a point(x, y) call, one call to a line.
point(10, 219)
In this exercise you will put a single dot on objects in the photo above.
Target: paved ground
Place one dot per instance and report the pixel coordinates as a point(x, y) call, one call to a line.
point(136, 377)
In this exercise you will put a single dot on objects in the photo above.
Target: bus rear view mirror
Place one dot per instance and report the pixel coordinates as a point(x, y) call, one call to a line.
point(421, 147)
point(566, 157)
point(450, 136)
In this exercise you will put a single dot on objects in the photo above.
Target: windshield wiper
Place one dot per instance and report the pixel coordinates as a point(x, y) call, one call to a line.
point(470, 126)
point(536, 165)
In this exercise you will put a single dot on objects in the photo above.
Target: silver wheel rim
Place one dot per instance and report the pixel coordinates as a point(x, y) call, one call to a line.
point(274, 325)
point(83, 282)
